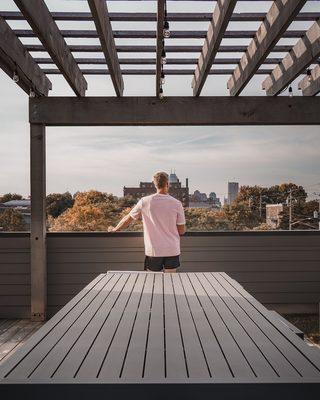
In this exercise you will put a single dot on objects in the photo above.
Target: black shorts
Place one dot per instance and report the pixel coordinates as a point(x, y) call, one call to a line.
point(156, 264)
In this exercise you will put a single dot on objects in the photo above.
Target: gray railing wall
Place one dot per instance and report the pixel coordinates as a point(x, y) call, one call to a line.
point(281, 269)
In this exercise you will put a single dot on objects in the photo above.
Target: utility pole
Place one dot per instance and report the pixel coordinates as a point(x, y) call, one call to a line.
point(260, 205)
point(290, 209)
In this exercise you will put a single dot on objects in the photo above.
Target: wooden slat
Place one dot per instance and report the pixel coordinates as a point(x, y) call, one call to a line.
point(175, 359)
point(134, 359)
point(101, 19)
point(95, 111)
point(274, 26)
point(95, 358)
point(140, 17)
point(155, 359)
point(135, 34)
point(14, 58)
point(302, 352)
point(217, 28)
point(272, 362)
point(45, 28)
point(215, 358)
point(152, 49)
point(304, 53)
point(159, 42)
point(72, 307)
point(72, 343)
point(74, 359)
point(311, 87)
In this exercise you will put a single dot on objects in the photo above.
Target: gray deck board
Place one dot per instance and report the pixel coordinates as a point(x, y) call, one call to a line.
point(174, 334)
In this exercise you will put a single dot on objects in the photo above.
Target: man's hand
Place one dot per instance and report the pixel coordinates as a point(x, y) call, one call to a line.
point(112, 229)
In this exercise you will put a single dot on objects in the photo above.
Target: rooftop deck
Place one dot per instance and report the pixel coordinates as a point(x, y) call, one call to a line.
point(128, 333)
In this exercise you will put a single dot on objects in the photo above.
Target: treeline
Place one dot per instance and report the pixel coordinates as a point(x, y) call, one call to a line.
point(95, 211)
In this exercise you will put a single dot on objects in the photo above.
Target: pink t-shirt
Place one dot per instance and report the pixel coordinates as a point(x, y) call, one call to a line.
point(161, 213)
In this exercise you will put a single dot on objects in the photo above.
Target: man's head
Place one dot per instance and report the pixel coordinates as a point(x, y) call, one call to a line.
point(161, 181)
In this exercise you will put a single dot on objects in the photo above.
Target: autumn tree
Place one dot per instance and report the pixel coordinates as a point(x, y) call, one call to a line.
point(57, 203)
point(11, 220)
point(10, 196)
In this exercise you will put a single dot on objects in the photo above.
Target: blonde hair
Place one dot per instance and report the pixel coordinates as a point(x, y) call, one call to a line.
point(160, 180)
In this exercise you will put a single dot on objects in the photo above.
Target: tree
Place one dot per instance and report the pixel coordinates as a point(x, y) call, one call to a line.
point(11, 220)
point(302, 215)
point(57, 203)
point(10, 196)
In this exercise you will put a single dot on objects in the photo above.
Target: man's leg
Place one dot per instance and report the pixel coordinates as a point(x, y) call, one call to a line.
point(170, 270)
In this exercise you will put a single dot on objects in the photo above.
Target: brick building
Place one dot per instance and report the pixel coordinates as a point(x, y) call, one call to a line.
point(146, 188)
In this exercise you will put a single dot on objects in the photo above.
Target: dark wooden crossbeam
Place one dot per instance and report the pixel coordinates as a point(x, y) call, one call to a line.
point(151, 17)
point(304, 53)
point(203, 110)
point(96, 71)
point(152, 61)
point(277, 21)
point(45, 28)
point(216, 31)
point(310, 85)
point(101, 19)
point(152, 49)
point(135, 34)
point(15, 59)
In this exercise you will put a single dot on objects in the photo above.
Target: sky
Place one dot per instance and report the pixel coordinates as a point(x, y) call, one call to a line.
point(108, 158)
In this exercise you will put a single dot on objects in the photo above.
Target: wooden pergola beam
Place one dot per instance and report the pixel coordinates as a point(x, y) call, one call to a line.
point(182, 111)
point(160, 43)
point(149, 34)
point(39, 18)
point(141, 17)
point(304, 53)
point(14, 58)
point(101, 19)
point(216, 31)
point(82, 48)
point(278, 19)
point(310, 86)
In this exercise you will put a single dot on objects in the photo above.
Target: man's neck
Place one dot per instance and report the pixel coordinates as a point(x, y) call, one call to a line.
point(162, 191)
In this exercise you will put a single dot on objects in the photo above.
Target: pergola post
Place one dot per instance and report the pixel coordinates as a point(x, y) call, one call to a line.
point(38, 222)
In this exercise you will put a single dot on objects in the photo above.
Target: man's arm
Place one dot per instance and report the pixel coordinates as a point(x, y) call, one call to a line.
point(124, 223)
point(181, 229)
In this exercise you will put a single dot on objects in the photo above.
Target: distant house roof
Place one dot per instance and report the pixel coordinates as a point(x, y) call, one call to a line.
point(18, 203)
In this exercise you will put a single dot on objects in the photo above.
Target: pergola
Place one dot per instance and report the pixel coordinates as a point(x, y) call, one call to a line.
point(20, 62)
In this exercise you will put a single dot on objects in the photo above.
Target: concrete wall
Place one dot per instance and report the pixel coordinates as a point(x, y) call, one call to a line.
point(281, 269)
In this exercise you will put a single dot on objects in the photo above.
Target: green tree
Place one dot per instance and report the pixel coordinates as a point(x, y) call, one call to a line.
point(11, 220)
point(10, 196)
point(57, 203)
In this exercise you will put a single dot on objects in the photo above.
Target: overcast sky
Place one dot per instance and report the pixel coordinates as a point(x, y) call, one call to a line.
point(108, 158)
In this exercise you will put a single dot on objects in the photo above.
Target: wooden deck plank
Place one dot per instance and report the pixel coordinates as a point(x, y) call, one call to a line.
point(294, 356)
point(277, 364)
point(214, 356)
point(113, 362)
point(54, 358)
point(238, 346)
point(134, 361)
point(196, 360)
point(29, 363)
point(155, 354)
point(90, 368)
point(18, 337)
point(73, 360)
point(175, 360)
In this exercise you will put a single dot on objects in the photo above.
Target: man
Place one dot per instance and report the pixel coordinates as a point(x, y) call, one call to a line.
point(163, 222)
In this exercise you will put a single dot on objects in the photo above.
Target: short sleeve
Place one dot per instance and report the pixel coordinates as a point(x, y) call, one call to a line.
point(135, 213)
point(181, 219)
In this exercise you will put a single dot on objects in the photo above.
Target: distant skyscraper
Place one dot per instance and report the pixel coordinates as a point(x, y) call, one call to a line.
point(233, 190)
